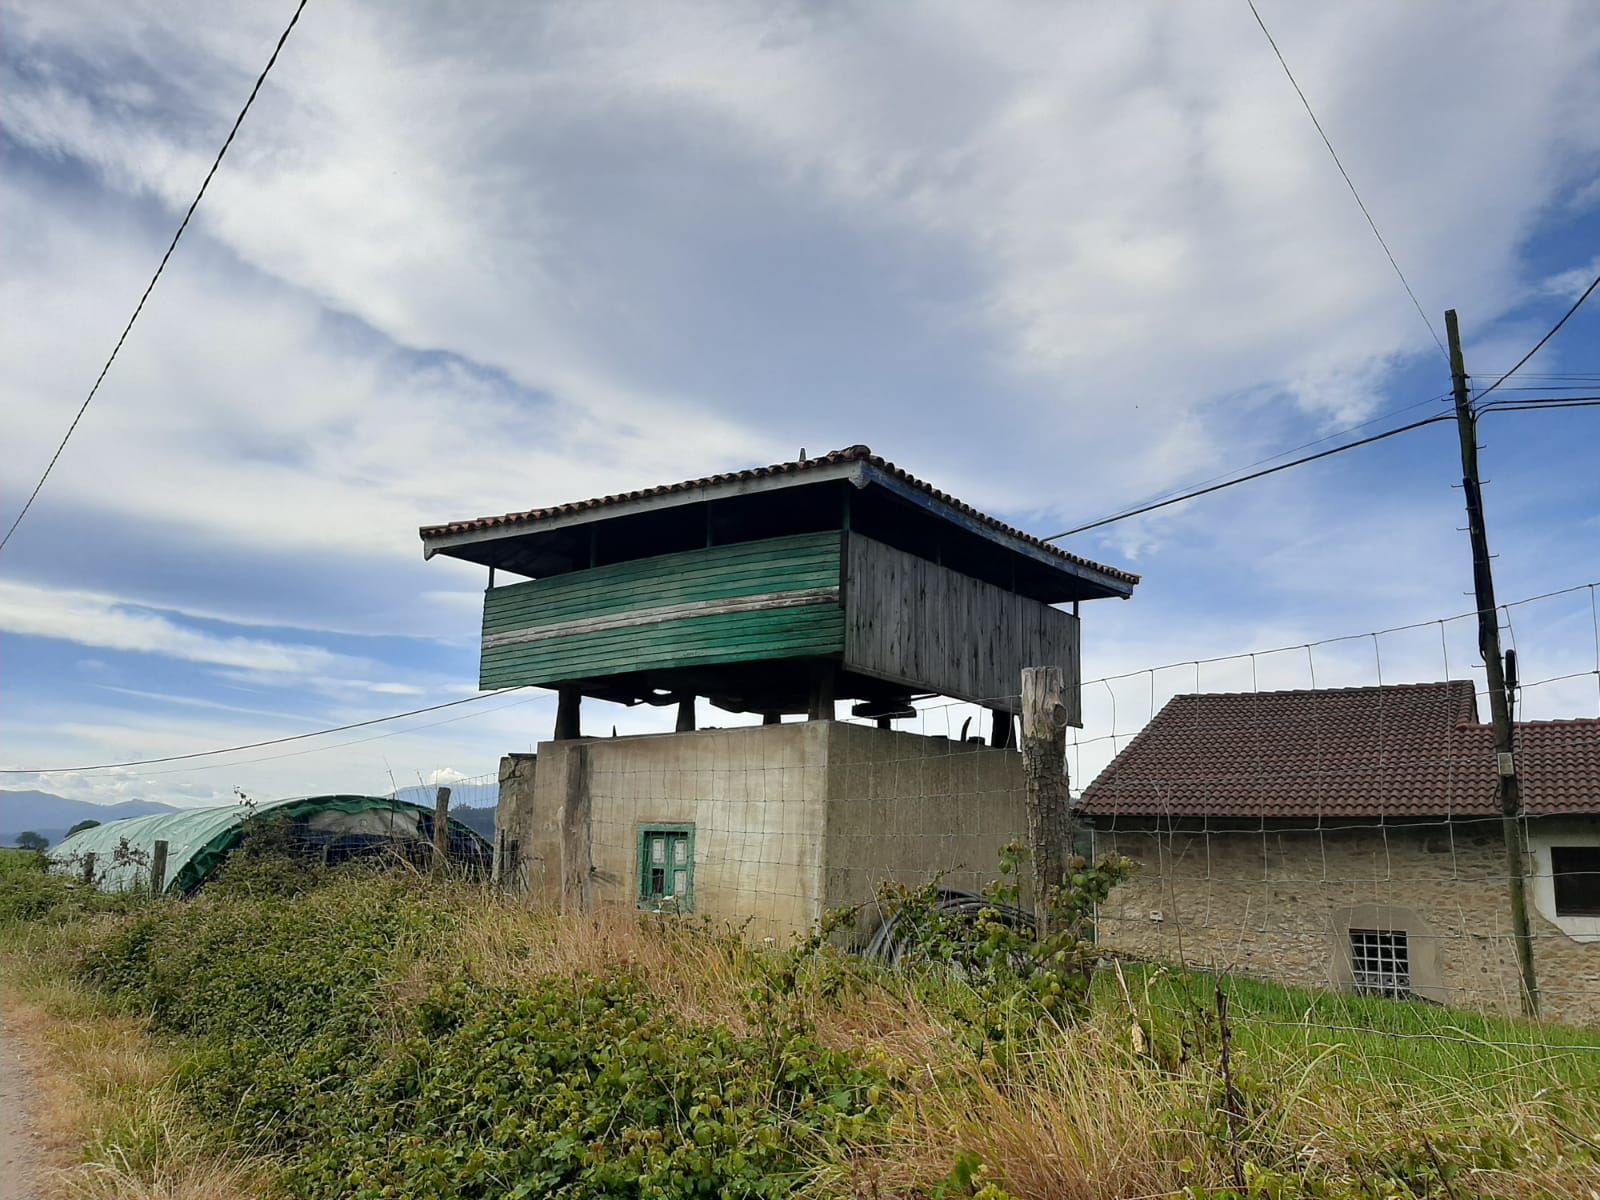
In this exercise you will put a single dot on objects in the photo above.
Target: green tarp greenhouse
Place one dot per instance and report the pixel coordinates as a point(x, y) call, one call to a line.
point(327, 828)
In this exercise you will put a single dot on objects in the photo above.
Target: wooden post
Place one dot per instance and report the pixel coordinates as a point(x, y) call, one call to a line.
point(441, 827)
point(822, 691)
point(686, 715)
point(1507, 784)
point(499, 856)
point(577, 856)
point(158, 867)
point(772, 718)
point(1044, 773)
point(568, 700)
point(88, 866)
point(1001, 736)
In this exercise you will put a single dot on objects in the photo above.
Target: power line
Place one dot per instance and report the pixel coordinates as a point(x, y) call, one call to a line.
point(1521, 404)
point(294, 737)
point(230, 764)
point(1348, 182)
point(1302, 446)
point(162, 266)
point(1540, 402)
point(1554, 329)
point(1217, 487)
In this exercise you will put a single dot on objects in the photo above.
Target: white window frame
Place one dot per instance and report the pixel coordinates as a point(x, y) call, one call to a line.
point(1543, 883)
point(1367, 958)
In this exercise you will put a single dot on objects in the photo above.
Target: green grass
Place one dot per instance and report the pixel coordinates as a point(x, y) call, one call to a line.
point(1363, 1038)
point(396, 1035)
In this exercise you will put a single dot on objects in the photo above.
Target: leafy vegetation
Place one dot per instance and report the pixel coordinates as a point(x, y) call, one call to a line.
point(352, 1033)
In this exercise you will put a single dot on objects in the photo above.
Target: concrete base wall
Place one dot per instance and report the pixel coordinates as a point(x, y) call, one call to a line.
point(903, 808)
point(789, 820)
point(1281, 904)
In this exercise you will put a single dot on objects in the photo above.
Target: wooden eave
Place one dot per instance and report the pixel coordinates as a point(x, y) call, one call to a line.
point(502, 542)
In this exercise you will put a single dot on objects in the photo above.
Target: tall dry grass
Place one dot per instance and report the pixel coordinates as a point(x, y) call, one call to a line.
point(1085, 1112)
point(108, 1099)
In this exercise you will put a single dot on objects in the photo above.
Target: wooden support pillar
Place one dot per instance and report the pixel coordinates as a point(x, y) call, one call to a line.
point(772, 718)
point(885, 723)
point(441, 827)
point(568, 700)
point(577, 857)
point(1044, 774)
point(686, 722)
point(158, 867)
point(823, 681)
point(1001, 734)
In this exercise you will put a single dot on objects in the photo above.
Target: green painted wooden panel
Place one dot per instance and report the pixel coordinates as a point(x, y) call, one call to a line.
point(748, 569)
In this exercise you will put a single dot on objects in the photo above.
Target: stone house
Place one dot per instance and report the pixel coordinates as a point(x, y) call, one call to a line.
point(1351, 838)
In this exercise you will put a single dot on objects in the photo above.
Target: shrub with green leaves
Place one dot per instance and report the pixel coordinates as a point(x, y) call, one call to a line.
point(560, 1085)
point(1023, 978)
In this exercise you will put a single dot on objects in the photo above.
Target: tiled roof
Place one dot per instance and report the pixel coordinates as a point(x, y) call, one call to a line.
point(1408, 750)
point(861, 454)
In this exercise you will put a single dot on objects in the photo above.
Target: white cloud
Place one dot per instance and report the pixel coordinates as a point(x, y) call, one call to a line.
point(88, 619)
point(465, 264)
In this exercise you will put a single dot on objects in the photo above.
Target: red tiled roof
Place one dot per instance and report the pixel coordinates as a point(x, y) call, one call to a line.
point(850, 454)
point(1408, 750)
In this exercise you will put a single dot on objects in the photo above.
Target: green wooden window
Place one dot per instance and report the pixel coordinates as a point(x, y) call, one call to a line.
point(666, 867)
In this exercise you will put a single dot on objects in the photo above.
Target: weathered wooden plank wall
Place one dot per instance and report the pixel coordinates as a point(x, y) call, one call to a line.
point(775, 598)
point(915, 622)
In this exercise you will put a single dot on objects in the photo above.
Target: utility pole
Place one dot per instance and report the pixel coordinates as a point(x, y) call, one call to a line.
point(1507, 787)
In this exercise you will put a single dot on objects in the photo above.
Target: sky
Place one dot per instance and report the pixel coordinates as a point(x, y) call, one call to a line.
point(472, 258)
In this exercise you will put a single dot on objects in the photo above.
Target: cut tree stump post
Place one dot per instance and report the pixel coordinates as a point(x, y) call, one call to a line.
point(497, 866)
point(1044, 773)
point(441, 827)
point(88, 866)
point(158, 867)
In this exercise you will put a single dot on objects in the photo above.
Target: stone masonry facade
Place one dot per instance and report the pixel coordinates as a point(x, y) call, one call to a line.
point(1280, 904)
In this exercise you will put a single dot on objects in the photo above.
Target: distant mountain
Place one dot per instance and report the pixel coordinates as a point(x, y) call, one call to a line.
point(479, 820)
point(51, 816)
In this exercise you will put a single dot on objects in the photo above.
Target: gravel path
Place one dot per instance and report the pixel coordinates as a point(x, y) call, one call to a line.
point(22, 1155)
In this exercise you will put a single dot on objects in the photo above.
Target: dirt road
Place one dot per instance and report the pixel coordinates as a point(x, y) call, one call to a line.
point(22, 1155)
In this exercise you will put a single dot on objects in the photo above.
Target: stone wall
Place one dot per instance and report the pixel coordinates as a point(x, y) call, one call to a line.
point(1280, 904)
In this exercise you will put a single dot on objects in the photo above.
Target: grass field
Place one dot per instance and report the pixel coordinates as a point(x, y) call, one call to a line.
point(368, 1035)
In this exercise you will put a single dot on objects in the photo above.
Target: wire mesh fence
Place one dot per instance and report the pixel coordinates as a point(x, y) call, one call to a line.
point(1321, 816)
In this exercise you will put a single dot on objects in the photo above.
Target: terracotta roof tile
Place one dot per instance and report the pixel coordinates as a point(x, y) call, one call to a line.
point(858, 453)
point(1409, 750)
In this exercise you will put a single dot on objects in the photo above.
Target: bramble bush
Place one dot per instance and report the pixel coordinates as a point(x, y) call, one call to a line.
point(560, 1085)
point(1021, 982)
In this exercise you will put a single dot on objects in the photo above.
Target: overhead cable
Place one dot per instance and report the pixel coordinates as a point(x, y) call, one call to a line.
point(1348, 181)
point(293, 737)
point(162, 266)
point(1217, 487)
point(1554, 329)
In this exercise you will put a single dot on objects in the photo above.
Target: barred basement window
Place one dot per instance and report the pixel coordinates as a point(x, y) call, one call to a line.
point(666, 867)
point(1380, 963)
point(1576, 872)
